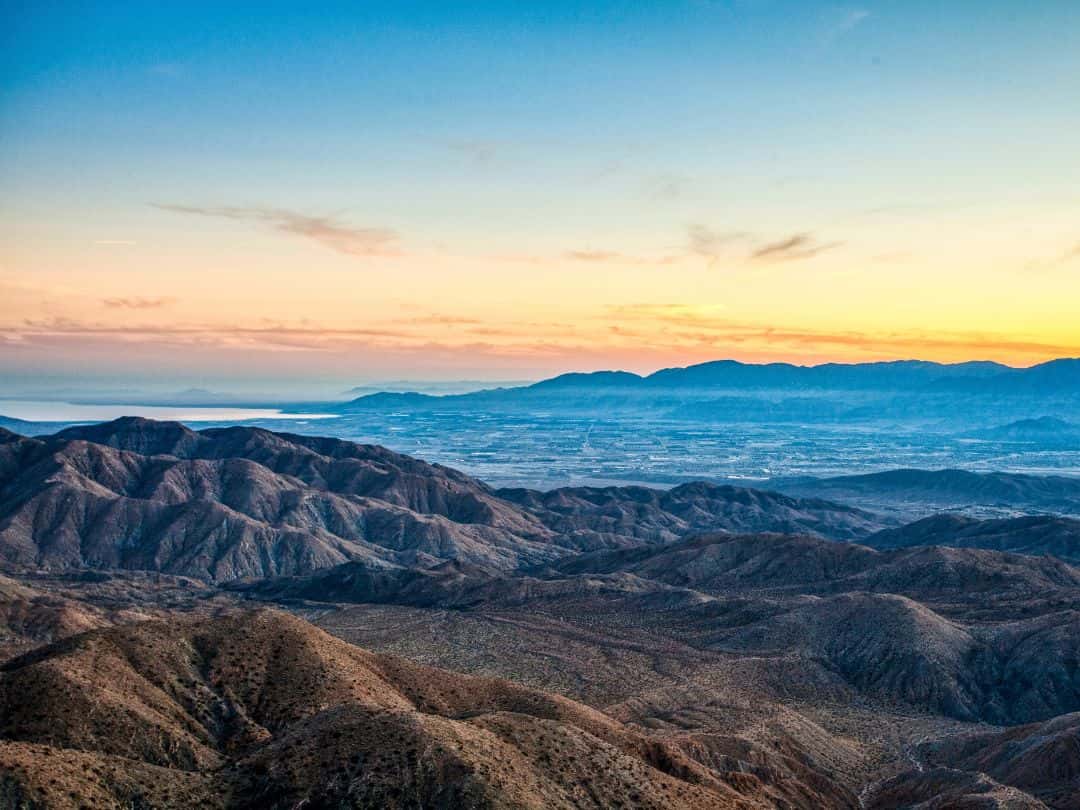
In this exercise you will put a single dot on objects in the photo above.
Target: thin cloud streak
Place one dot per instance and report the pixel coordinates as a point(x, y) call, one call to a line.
point(708, 242)
point(351, 241)
point(839, 21)
point(613, 256)
point(479, 152)
point(714, 245)
point(684, 326)
point(137, 303)
point(793, 248)
point(673, 330)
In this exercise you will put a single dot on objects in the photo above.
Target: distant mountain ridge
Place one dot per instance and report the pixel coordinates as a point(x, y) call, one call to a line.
point(935, 490)
point(1031, 534)
point(1053, 376)
point(1044, 430)
point(902, 376)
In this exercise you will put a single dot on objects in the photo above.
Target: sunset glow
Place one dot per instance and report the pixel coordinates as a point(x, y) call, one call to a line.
point(484, 203)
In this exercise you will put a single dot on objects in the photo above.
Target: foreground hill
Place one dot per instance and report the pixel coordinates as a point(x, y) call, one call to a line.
point(222, 504)
point(29, 617)
point(732, 655)
point(1043, 758)
point(263, 710)
point(861, 662)
point(963, 633)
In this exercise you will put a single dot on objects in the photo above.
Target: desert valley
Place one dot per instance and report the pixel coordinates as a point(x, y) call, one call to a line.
point(235, 617)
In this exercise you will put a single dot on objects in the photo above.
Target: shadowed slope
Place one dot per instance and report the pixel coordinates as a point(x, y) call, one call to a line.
point(919, 492)
point(1042, 759)
point(1032, 534)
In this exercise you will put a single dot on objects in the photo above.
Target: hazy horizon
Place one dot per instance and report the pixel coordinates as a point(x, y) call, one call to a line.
point(166, 388)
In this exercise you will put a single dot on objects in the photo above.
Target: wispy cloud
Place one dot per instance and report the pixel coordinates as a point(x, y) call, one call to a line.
point(838, 21)
point(709, 242)
point(137, 303)
point(592, 255)
point(690, 328)
point(615, 257)
point(661, 333)
point(326, 231)
point(714, 245)
point(796, 247)
point(667, 187)
point(436, 319)
point(267, 335)
point(1067, 256)
point(477, 151)
point(71, 335)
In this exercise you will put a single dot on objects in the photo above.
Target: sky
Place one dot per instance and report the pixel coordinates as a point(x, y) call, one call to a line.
point(230, 194)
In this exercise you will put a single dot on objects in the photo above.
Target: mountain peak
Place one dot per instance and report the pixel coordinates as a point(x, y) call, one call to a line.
point(589, 378)
point(136, 434)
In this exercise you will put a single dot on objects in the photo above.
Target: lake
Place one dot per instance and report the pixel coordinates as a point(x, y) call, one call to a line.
point(45, 411)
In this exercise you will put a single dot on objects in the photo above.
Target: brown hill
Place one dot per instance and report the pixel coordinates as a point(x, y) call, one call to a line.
point(846, 616)
point(263, 710)
point(724, 563)
point(949, 789)
point(1042, 759)
point(916, 493)
point(29, 617)
point(661, 516)
point(228, 503)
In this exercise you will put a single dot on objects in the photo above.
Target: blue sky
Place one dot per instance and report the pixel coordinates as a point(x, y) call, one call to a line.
point(488, 136)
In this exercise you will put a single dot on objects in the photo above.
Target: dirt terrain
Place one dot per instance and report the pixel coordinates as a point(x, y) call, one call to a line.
point(701, 647)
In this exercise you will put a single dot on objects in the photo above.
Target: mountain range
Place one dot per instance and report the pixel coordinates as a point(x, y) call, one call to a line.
point(1048, 535)
point(226, 503)
point(915, 492)
point(234, 617)
point(1053, 378)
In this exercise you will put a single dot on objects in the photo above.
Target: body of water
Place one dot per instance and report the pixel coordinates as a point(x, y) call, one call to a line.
point(45, 411)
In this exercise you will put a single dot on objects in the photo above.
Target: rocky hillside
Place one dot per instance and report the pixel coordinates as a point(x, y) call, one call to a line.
point(1042, 758)
point(963, 633)
point(1031, 534)
point(732, 656)
point(723, 563)
point(263, 710)
point(224, 504)
point(916, 493)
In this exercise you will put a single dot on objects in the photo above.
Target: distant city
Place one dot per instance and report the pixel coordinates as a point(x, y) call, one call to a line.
point(714, 421)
